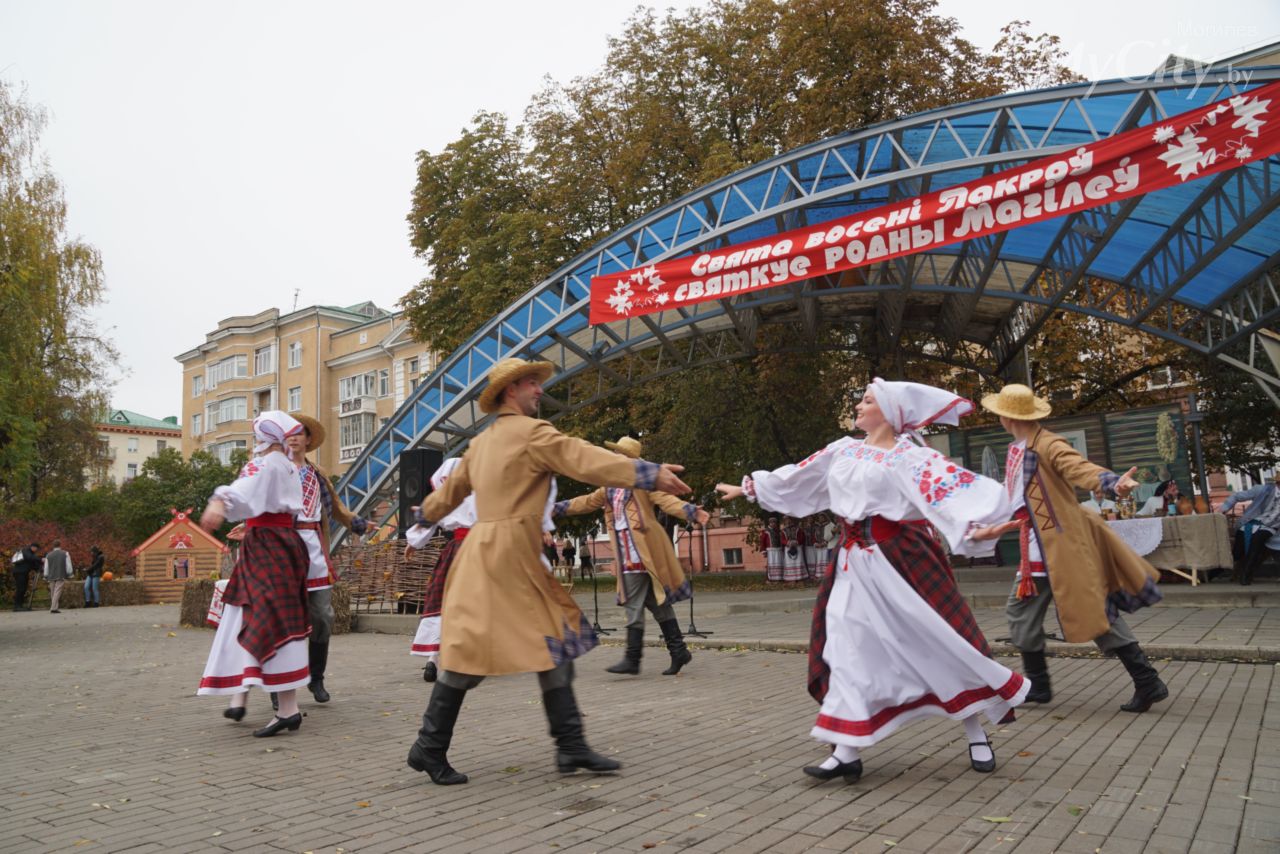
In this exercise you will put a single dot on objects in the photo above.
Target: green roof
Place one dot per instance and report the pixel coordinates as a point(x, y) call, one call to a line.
point(125, 418)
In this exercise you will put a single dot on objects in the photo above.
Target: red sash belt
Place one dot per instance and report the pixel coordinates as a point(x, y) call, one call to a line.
point(865, 533)
point(1026, 587)
point(307, 526)
point(460, 533)
point(271, 520)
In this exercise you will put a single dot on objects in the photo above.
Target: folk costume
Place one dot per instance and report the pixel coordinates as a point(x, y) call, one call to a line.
point(320, 508)
point(794, 565)
point(1070, 556)
point(892, 638)
point(426, 641)
point(649, 574)
point(771, 545)
point(262, 637)
point(507, 612)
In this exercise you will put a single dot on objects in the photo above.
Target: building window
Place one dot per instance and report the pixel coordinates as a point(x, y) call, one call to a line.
point(231, 409)
point(361, 385)
point(131, 471)
point(732, 557)
point(384, 383)
point(264, 360)
point(295, 398)
point(224, 450)
point(197, 385)
point(133, 445)
point(263, 401)
point(358, 430)
point(295, 355)
point(231, 368)
point(413, 365)
point(161, 444)
point(197, 424)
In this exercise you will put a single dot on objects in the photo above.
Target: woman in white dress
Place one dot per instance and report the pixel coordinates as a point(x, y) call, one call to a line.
point(262, 638)
point(892, 638)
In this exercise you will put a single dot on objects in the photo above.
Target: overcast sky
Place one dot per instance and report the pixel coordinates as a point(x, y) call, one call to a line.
point(222, 155)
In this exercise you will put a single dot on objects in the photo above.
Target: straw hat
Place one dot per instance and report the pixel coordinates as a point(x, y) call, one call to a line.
point(505, 373)
point(315, 432)
point(1018, 402)
point(626, 446)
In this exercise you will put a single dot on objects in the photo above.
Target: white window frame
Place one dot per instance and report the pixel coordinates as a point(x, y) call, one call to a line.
point(384, 382)
point(197, 385)
point(131, 445)
point(197, 423)
point(295, 354)
point(264, 360)
point(295, 398)
point(357, 430)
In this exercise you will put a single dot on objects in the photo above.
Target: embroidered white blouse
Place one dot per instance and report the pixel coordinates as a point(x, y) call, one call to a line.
point(905, 483)
point(267, 484)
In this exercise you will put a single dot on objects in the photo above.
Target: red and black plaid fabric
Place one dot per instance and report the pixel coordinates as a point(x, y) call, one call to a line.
point(270, 584)
point(914, 552)
point(433, 598)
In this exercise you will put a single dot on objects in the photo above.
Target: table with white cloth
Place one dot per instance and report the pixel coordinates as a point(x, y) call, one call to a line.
point(1183, 545)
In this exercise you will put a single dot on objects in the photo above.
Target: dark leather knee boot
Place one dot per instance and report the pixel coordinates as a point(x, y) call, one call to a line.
point(319, 657)
point(631, 659)
point(1036, 669)
point(429, 751)
point(1147, 686)
point(680, 655)
point(565, 721)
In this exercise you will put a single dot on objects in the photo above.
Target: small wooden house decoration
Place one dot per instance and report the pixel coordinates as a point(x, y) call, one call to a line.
point(179, 551)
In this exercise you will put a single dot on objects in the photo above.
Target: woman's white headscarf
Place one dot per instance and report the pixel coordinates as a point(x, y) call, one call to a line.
point(909, 406)
point(272, 428)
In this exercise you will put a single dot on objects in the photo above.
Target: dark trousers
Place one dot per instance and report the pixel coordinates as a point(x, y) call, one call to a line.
point(20, 588)
point(1248, 562)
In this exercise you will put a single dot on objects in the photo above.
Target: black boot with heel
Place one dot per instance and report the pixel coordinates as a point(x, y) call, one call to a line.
point(429, 751)
point(572, 750)
point(630, 663)
point(680, 655)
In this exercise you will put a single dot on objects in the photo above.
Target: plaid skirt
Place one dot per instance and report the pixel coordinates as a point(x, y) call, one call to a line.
point(269, 584)
point(433, 597)
point(914, 552)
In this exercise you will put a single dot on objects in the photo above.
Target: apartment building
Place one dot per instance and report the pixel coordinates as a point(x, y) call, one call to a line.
point(128, 439)
point(348, 367)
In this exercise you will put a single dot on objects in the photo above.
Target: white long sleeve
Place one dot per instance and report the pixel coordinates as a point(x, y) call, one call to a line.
point(799, 489)
point(267, 484)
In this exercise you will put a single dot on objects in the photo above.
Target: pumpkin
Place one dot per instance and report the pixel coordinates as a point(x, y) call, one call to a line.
point(107, 576)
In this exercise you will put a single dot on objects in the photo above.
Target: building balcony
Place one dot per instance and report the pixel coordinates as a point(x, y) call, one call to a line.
point(357, 405)
point(348, 454)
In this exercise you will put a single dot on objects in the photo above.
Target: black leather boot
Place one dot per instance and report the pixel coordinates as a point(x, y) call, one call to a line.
point(1036, 669)
point(275, 702)
point(319, 656)
point(631, 659)
point(1147, 687)
point(572, 751)
point(428, 752)
point(680, 655)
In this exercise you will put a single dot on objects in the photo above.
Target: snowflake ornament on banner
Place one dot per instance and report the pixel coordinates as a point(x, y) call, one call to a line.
point(620, 299)
point(1185, 156)
point(624, 299)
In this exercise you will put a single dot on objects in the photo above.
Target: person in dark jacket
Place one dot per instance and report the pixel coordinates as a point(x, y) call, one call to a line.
point(30, 562)
point(92, 593)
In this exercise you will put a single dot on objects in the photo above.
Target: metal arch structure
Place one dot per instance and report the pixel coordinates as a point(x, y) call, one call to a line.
point(1197, 264)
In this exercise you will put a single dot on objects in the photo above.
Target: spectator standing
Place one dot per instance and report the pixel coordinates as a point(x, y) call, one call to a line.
point(57, 569)
point(92, 591)
point(28, 562)
point(570, 553)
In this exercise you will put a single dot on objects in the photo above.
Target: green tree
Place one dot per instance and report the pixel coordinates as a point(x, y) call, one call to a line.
point(168, 481)
point(52, 360)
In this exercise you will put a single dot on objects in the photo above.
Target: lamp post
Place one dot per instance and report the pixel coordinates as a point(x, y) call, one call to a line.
point(1194, 417)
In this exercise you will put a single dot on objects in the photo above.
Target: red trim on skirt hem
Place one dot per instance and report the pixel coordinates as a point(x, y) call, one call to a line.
point(957, 703)
point(250, 672)
point(426, 647)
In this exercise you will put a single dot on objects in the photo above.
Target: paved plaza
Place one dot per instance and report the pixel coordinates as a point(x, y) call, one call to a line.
point(106, 748)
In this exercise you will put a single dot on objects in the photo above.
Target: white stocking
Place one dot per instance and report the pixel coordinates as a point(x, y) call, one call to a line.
point(842, 755)
point(976, 735)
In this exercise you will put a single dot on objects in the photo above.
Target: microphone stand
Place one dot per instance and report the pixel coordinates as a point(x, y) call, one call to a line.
point(595, 591)
point(692, 631)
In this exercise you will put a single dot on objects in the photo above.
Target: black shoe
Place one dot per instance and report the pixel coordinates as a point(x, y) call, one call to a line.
point(630, 663)
point(429, 673)
point(680, 655)
point(572, 751)
point(1036, 669)
point(235, 713)
point(318, 660)
point(982, 766)
point(428, 752)
point(278, 723)
point(850, 771)
point(54, 611)
point(275, 702)
point(1147, 686)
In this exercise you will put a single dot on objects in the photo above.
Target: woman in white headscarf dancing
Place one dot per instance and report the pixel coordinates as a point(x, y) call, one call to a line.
point(262, 637)
point(892, 638)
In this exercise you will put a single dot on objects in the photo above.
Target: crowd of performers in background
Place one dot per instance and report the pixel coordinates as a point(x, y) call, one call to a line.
point(798, 549)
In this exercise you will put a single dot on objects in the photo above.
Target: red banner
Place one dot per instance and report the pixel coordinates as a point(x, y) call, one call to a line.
point(1195, 144)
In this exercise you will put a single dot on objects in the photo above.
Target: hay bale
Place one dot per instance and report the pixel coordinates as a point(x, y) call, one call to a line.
point(198, 593)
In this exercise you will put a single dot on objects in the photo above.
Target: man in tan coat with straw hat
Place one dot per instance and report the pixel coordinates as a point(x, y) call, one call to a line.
point(1069, 556)
point(503, 610)
point(648, 573)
